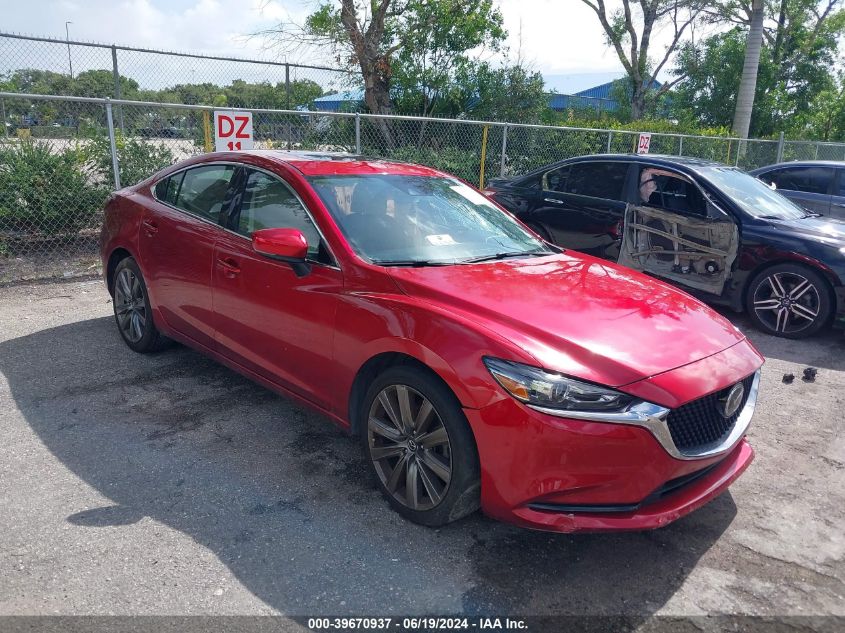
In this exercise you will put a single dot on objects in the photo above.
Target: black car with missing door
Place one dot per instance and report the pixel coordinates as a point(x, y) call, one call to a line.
point(708, 228)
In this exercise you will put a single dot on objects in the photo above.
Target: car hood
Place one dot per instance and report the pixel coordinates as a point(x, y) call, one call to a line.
point(819, 229)
point(578, 315)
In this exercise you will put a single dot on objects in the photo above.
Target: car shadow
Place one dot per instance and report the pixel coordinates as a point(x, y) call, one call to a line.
point(824, 350)
point(283, 498)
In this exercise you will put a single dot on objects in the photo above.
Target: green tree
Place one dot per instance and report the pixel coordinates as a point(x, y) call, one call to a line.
point(426, 69)
point(100, 83)
point(799, 50)
point(377, 37)
point(508, 93)
point(629, 31)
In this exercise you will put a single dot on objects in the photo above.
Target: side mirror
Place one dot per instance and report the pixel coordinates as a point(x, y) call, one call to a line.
point(287, 245)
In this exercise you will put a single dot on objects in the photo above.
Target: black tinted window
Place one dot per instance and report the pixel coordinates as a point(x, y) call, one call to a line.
point(269, 204)
point(166, 190)
point(598, 180)
point(807, 179)
point(203, 190)
point(556, 180)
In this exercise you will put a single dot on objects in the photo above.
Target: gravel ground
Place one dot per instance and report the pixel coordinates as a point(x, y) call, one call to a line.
point(168, 484)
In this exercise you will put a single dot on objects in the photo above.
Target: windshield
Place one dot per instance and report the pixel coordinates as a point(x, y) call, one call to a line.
point(418, 220)
point(752, 195)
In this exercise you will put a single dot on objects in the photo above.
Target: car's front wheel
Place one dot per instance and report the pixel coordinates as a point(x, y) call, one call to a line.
point(420, 447)
point(789, 300)
point(132, 311)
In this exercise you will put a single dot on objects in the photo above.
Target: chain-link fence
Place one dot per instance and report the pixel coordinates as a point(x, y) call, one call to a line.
point(64, 67)
point(56, 175)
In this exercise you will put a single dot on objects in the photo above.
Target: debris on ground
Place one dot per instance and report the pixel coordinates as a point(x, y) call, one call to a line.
point(810, 374)
point(788, 378)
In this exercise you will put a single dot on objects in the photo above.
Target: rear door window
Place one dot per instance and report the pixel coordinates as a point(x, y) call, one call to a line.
point(806, 179)
point(203, 190)
point(597, 180)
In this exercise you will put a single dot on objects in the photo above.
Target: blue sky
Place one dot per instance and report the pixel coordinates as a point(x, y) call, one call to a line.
point(560, 38)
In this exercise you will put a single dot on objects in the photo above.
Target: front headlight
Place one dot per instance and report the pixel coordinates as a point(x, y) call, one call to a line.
point(541, 388)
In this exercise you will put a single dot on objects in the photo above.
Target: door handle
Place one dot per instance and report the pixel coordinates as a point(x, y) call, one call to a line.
point(230, 266)
point(149, 226)
point(553, 201)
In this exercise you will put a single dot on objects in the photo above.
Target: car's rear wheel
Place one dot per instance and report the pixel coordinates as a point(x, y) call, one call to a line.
point(789, 300)
point(132, 311)
point(420, 447)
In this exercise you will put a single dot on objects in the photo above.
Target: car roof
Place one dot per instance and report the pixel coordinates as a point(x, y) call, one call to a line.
point(338, 163)
point(801, 163)
point(667, 159)
point(689, 164)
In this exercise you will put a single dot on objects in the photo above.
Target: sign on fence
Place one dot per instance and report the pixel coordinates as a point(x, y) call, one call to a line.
point(232, 130)
point(644, 143)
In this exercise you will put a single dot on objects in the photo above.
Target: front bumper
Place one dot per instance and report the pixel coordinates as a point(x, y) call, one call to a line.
point(562, 474)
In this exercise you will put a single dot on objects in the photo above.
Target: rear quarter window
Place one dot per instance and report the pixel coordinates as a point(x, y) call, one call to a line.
point(167, 189)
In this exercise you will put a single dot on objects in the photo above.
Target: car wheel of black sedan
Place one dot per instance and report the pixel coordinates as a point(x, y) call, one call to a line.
point(789, 300)
point(420, 447)
point(132, 309)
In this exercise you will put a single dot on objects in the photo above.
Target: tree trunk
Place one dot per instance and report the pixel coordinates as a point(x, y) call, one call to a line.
point(638, 94)
point(748, 85)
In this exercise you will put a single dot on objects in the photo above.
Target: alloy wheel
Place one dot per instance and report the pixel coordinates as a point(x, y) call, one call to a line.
point(129, 305)
point(787, 302)
point(409, 447)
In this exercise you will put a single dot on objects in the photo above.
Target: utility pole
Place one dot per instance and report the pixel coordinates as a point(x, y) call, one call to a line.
point(67, 39)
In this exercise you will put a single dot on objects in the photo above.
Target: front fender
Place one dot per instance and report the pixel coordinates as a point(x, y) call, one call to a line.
point(447, 343)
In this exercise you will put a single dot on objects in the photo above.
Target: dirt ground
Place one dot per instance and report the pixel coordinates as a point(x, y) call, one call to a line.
point(167, 484)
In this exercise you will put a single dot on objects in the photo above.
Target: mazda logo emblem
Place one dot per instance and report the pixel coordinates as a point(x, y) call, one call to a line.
point(732, 402)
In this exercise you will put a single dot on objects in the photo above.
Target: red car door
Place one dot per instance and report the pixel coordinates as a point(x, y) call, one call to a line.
point(176, 245)
point(266, 318)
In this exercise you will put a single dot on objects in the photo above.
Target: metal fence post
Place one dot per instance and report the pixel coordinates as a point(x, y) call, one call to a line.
point(114, 164)
point(357, 133)
point(3, 114)
point(116, 75)
point(817, 152)
point(504, 150)
point(483, 156)
point(287, 100)
point(609, 140)
point(681, 147)
point(780, 149)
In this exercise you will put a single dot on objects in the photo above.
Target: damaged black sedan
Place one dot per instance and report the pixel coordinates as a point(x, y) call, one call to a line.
point(710, 229)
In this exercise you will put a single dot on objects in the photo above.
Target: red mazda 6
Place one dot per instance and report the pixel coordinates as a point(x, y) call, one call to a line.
point(479, 365)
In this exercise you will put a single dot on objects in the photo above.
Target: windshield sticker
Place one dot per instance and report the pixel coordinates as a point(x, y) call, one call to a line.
point(440, 240)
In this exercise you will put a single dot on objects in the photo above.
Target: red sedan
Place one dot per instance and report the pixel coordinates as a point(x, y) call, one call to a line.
point(479, 365)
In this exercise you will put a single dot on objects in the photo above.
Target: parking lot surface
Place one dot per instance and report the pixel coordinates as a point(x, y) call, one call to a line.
point(167, 484)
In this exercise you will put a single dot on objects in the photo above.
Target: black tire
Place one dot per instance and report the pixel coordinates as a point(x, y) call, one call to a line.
point(789, 300)
point(438, 503)
point(133, 307)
